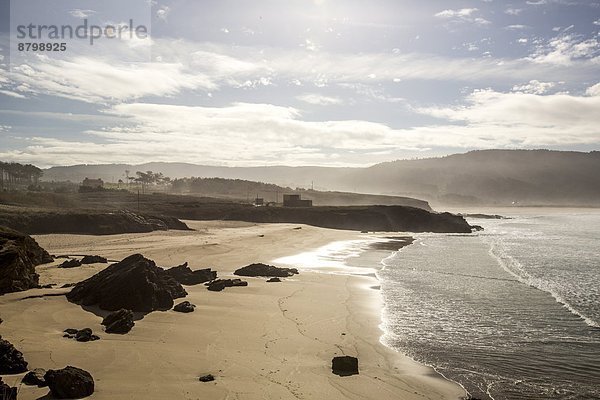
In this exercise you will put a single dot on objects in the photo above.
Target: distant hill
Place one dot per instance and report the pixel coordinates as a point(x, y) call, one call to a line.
point(526, 177)
point(483, 177)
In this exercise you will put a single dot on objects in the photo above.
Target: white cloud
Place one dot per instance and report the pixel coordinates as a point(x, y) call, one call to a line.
point(317, 99)
point(12, 94)
point(526, 119)
point(565, 49)
point(513, 11)
point(534, 87)
point(464, 15)
point(523, 40)
point(95, 80)
point(516, 27)
point(163, 12)
point(78, 13)
point(261, 134)
point(593, 90)
point(597, 22)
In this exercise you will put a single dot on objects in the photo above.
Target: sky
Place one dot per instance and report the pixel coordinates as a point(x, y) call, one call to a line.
point(301, 82)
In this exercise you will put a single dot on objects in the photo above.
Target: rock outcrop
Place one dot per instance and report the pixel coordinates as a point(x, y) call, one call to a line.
point(81, 335)
point(274, 280)
point(259, 269)
point(344, 365)
point(11, 359)
point(7, 392)
point(35, 378)
point(135, 284)
point(69, 383)
point(88, 222)
point(119, 322)
point(93, 260)
point(19, 255)
point(184, 275)
point(220, 284)
point(73, 263)
point(184, 307)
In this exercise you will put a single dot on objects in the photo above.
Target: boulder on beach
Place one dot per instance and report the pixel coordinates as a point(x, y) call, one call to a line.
point(344, 365)
point(11, 359)
point(19, 255)
point(72, 263)
point(120, 321)
point(274, 280)
point(260, 269)
point(184, 307)
point(69, 383)
point(184, 275)
point(7, 392)
point(206, 378)
point(135, 284)
point(35, 378)
point(220, 284)
point(93, 260)
point(81, 335)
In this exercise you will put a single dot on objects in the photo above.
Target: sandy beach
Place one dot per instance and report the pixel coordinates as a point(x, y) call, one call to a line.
point(264, 341)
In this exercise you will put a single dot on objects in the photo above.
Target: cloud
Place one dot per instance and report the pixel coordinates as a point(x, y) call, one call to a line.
point(565, 49)
point(534, 87)
point(263, 134)
point(163, 12)
point(526, 119)
point(516, 27)
point(79, 13)
point(101, 81)
point(593, 90)
point(464, 15)
point(12, 94)
point(513, 11)
point(317, 99)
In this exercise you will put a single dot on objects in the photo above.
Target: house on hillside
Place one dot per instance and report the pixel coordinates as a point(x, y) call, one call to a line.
point(92, 183)
point(295, 200)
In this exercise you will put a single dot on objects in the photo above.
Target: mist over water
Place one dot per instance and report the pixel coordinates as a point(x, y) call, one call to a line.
point(510, 313)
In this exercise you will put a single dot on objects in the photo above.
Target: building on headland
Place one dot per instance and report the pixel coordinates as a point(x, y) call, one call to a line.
point(92, 183)
point(259, 201)
point(294, 200)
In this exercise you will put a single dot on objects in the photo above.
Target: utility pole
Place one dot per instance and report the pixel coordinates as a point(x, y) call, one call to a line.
point(138, 198)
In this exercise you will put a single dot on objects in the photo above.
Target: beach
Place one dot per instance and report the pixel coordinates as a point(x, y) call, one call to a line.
point(264, 341)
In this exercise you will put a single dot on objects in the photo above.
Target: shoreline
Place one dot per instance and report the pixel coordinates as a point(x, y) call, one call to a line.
point(268, 338)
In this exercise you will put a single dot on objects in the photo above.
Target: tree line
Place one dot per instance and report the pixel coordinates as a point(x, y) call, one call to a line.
point(15, 174)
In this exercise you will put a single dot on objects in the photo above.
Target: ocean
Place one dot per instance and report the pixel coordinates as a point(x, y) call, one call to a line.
point(510, 312)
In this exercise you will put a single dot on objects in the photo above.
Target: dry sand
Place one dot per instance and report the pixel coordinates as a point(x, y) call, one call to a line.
point(264, 341)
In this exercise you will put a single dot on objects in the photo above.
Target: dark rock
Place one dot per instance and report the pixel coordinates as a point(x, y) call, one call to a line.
point(184, 307)
point(35, 378)
point(47, 286)
point(344, 365)
point(11, 359)
point(94, 338)
point(88, 222)
point(265, 270)
point(477, 228)
point(7, 392)
point(274, 280)
point(119, 321)
point(73, 263)
point(71, 331)
point(84, 335)
point(67, 285)
point(206, 378)
point(93, 260)
point(19, 255)
point(220, 284)
point(69, 383)
point(184, 275)
point(135, 283)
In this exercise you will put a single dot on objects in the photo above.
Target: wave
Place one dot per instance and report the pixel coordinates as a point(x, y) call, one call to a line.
point(516, 269)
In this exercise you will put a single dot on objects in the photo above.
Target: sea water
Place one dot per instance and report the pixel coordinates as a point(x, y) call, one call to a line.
point(511, 312)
